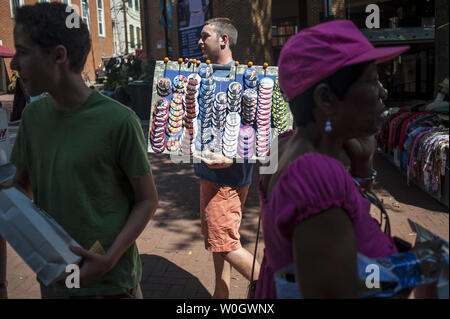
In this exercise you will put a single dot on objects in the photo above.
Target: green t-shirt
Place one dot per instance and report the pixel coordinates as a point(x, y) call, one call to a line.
point(79, 165)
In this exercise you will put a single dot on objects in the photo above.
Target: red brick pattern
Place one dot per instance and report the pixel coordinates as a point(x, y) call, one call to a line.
point(175, 263)
point(100, 45)
point(252, 19)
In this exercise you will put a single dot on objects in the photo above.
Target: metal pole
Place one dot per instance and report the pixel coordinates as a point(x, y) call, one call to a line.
point(165, 28)
point(327, 9)
point(347, 10)
point(125, 23)
point(146, 39)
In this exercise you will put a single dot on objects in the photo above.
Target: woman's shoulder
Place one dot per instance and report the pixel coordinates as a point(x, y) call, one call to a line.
point(310, 185)
point(316, 168)
point(314, 177)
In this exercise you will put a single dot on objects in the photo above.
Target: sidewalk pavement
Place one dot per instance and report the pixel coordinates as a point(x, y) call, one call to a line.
point(175, 263)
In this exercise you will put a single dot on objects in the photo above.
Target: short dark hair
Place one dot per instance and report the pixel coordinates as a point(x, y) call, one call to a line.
point(225, 26)
point(302, 106)
point(46, 25)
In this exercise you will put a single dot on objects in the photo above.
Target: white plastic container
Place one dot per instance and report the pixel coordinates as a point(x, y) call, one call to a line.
point(35, 236)
point(5, 147)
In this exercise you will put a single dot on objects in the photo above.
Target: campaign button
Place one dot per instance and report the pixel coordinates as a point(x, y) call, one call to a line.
point(221, 98)
point(235, 88)
point(205, 71)
point(250, 73)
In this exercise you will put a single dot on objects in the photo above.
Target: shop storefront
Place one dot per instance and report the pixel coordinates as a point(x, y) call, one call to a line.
point(4, 53)
point(415, 137)
point(417, 81)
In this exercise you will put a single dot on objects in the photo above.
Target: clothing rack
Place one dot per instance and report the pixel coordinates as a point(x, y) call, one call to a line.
point(420, 130)
point(444, 200)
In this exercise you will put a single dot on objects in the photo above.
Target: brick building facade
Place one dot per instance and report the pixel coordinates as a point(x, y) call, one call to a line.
point(253, 19)
point(101, 33)
point(153, 35)
point(131, 33)
point(442, 68)
point(265, 25)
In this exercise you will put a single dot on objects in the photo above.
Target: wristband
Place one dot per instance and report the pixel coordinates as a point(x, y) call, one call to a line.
point(359, 180)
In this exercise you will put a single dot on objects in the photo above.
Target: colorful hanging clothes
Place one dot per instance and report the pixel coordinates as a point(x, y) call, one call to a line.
point(417, 140)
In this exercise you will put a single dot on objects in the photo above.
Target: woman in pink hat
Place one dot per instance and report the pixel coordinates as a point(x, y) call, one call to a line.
point(315, 214)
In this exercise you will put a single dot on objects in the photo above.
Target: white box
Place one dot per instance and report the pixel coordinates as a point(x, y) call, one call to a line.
point(35, 236)
point(5, 146)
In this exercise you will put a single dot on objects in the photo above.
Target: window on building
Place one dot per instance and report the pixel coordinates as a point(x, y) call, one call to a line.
point(44, 1)
point(138, 38)
point(282, 30)
point(136, 5)
point(14, 5)
point(130, 4)
point(100, 18)
point(132, 36)
point(410, 77)
point(85, 13)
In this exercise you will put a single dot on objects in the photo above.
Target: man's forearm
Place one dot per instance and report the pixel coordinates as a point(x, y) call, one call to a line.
point(23, 186)
point(7, 184)
point(139, 217)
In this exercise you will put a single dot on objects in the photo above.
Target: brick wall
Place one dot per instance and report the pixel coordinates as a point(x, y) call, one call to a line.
point(253, 19)
point(441, 65)
point(100, 45)
point(153, 32)
point(288, 8)
point(6, 29)
point(314, 8)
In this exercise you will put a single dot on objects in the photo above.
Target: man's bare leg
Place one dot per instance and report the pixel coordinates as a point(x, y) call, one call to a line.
point(242, 261)
point(239, 259)
point(223, 277)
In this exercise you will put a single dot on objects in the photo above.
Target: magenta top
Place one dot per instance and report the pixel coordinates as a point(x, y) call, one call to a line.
point(309, 185)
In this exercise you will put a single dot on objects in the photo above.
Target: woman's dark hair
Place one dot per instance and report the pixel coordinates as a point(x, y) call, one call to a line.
point(48, 25)
point(302, 106)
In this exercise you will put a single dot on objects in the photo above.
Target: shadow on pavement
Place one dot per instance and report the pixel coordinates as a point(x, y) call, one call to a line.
point(393, 182)
point(179, 199)
point(163, 279)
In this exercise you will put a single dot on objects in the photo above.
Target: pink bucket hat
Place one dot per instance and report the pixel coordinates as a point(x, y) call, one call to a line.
point(315, 53)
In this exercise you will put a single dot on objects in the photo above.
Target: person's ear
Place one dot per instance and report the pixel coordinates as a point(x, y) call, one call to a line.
point(224, 40)
point(324, 99)
point(60, 55)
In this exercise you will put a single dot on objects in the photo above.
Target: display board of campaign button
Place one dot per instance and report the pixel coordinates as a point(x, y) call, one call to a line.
point(192, 94)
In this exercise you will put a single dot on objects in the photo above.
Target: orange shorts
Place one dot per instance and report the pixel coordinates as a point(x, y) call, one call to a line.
point(221, 215)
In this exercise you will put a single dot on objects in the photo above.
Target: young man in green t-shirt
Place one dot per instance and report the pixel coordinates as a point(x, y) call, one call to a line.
point(80, 155)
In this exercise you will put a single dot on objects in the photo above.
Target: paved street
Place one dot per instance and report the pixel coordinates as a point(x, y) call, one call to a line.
point(175, 262)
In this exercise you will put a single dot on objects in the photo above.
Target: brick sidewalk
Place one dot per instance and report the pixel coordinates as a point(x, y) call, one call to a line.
point(175, 263)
